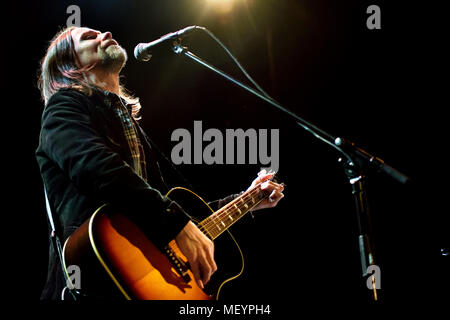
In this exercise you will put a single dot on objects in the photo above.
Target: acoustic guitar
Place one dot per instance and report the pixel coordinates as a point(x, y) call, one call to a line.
point(117, 260)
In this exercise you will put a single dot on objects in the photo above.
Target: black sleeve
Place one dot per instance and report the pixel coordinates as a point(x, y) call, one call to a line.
point(217, 204)
point(71, 141)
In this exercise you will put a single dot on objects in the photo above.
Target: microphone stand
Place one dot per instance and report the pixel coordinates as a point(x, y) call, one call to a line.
point(355, 162)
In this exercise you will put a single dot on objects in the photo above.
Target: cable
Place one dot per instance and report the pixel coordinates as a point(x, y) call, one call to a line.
point(318, 132)
point(236, 62)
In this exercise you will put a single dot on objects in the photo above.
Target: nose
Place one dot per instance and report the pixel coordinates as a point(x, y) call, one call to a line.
point(106, 35)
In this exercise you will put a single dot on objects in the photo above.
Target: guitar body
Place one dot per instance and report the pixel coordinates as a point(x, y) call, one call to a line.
point(117, 260)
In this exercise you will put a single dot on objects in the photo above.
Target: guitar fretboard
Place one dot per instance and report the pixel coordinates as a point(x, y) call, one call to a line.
point(222, 219)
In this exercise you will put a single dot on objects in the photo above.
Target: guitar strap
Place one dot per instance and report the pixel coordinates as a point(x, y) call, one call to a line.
point(55, 238)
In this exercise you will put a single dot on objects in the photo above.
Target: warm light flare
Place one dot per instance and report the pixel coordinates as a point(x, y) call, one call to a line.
point(222, 6)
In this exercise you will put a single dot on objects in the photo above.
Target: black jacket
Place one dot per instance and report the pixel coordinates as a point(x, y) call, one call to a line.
point(83, 164)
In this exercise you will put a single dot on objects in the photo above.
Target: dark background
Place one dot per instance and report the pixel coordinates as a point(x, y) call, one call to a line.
point(381, 89)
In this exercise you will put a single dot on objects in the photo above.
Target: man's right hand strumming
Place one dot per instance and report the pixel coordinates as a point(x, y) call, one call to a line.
point(199, 250)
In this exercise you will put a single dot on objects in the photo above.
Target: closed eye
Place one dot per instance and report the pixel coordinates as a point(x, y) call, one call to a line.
point(89, 36)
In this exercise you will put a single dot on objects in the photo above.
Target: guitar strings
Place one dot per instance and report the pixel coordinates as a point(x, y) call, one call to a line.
point(229, 210)
point(206, 226)
point(212, 220)
point(232, 207)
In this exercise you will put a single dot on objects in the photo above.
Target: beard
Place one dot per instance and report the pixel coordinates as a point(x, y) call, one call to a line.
point(113, 58)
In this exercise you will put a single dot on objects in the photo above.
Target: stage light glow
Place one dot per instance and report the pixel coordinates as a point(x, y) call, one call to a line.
point(222, 6)
point(220, 1)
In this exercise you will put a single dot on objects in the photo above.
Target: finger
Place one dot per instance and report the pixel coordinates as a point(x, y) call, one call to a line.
point(196, 271)
point(262, 179)
point(265, 172)
point(262, 172)
point(206, 271)
point(272, 186)
point(210, 259)
point(275, 196)
point(278, 186)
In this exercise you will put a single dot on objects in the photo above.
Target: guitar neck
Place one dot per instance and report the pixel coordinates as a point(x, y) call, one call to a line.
point(225, 217)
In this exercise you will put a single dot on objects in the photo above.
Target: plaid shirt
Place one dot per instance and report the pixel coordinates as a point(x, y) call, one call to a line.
point(123, 111)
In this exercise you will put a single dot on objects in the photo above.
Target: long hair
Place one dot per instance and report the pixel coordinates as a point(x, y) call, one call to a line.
point(60, 69)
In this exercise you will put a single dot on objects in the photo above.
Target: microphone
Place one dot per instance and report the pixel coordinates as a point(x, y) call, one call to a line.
point(143, 50)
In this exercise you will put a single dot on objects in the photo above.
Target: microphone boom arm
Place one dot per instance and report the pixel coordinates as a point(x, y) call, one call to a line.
point(355, 161)
point(344, 146)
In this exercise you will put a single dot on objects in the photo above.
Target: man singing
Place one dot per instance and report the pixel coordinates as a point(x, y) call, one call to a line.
point(92, 151)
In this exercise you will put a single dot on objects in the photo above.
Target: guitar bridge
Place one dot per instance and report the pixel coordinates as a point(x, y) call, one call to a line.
point(179, 265)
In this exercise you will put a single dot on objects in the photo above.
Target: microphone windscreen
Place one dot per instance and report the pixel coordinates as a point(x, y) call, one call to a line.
point(140, 53)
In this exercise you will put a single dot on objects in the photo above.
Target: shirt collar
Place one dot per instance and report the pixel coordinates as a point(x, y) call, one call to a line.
point(110, 98)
